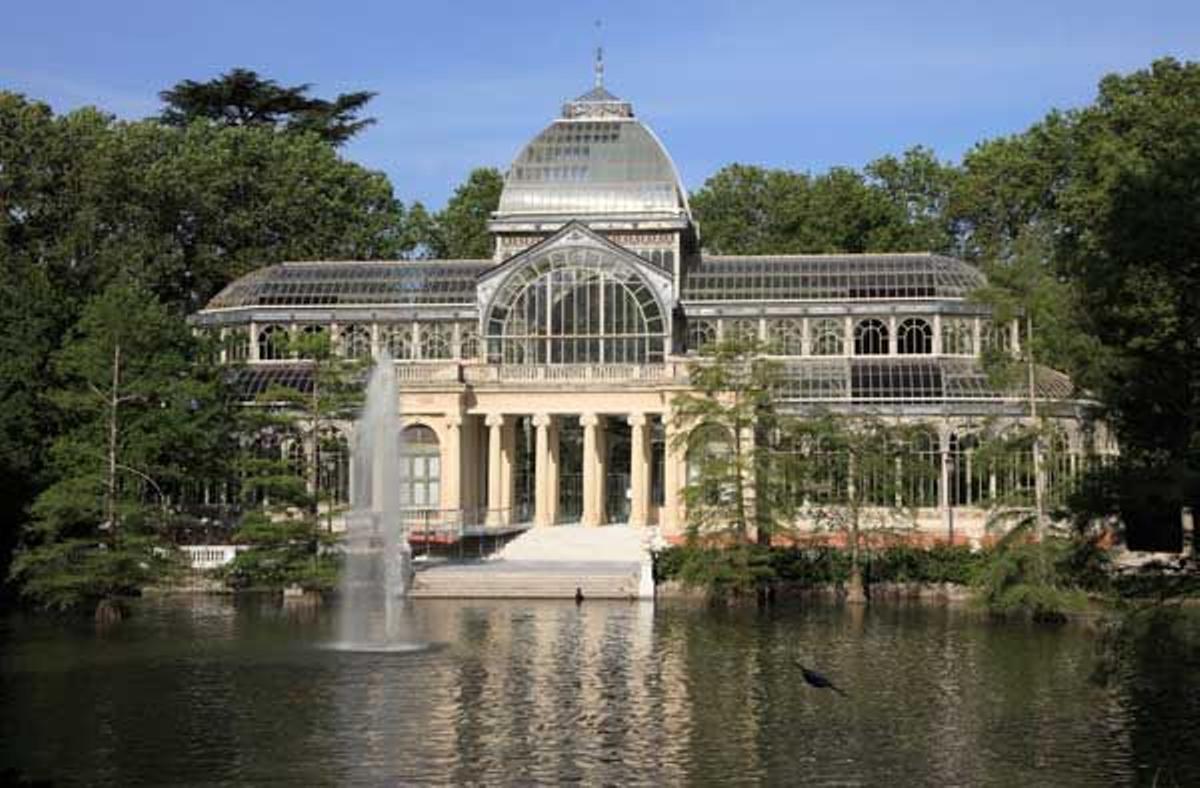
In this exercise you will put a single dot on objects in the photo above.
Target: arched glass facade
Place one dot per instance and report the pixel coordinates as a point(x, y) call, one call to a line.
point(576, 306)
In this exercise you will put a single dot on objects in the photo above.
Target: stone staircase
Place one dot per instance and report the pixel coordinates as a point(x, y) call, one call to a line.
point(551, 563)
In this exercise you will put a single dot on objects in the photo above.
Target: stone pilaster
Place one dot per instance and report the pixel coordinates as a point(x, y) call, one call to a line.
point(545, 492)
point(495, 501)
point(593, 471)
point(639, 470)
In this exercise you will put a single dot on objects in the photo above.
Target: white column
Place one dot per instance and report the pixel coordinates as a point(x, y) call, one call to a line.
point(451, 477)
point(593, 471)
point(639, 470)
point(673, 514)
point(495, 513)
point(254, 342)
point(544, 491)
point(944, 486)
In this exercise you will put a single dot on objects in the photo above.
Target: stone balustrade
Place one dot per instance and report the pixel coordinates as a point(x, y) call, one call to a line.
point(553, 374)
point(210, 556)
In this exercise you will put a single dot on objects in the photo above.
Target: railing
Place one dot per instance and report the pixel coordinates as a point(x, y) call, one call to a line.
point(574, 373)
point(438, 372)
point(210, 556)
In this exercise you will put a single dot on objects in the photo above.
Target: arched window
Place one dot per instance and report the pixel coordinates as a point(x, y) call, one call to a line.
point(785, 337)
point(435, 340)
point(272, 343)
point(310, 341)
point(958, 336)
point(969, 478)
point(297, 459)
point(237, 344)
point(701, 334)
point(996, 338)
point(356, 341)
point(333, 469)
point(871, 338)
point(741, 331)
point(420, 468)
point(468, 340)
point(400, 342)
point(825, 336)
point(914, 337)
point(921, 470)
point(709, 463)
point(576, 306)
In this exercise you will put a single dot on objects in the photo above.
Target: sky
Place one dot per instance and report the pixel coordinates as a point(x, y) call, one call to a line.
point(803, 85)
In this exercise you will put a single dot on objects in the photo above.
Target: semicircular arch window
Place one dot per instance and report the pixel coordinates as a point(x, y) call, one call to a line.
point(576, 306)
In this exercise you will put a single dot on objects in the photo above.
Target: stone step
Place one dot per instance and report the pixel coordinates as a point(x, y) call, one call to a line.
point(446, 582)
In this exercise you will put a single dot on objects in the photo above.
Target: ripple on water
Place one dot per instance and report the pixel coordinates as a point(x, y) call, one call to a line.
point(500, 693)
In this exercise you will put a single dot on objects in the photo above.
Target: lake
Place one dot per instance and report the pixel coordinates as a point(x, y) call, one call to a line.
point(222, 690)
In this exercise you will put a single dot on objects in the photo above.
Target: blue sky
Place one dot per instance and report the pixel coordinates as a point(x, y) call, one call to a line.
point(801, 84)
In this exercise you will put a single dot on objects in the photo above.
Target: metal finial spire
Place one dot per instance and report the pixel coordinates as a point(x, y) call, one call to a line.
point(599, 58)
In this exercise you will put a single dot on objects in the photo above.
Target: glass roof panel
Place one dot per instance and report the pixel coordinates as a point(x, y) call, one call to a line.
point(428, 282)
point(905, 381)
point(849, 277)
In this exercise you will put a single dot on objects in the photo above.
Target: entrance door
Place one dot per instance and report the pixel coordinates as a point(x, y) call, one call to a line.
point(570, 470)
point(617, 477)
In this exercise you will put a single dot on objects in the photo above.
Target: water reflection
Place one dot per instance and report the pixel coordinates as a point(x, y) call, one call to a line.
point(212, 690)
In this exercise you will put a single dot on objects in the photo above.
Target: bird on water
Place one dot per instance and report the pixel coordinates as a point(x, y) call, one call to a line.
point(815, 679)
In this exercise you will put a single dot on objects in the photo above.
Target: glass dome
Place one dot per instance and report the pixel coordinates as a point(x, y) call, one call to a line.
point(596, 159)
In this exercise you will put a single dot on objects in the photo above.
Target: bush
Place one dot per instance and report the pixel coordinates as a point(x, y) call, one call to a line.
point(281, 553)
point(1031, 578)
point(723, 570)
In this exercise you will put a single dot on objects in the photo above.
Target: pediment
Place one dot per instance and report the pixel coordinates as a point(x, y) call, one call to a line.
point(573, 236)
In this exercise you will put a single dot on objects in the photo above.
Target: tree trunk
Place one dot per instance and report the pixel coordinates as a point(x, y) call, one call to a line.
point(110, 502)
point(1039, 503)
point(856, 591)
point(108, 613)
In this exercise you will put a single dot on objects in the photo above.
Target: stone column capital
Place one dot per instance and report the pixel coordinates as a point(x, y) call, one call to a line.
point(589, 420)
point(637, 420)
point(542, 420)
point(495, 420)
point(453, 422)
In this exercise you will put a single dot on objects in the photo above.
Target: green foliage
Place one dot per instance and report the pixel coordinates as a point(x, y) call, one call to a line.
point(459, 231)
point(285, 532)
point(240, 97)
point(76, 572)
point(942, 563)
point(858, 471)
point(734, 571)
point(745, 569)
point(1030, 578)
point(894, 205)
point(284, 550)
point(738, 487)
point(182, 210)
point(137, 416)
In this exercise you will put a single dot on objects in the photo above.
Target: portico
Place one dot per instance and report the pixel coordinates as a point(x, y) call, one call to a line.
point(590, 469)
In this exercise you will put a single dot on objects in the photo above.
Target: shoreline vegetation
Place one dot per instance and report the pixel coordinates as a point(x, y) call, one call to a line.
point(117, 422)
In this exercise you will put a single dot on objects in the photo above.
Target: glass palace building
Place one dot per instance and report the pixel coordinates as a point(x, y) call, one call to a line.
point(537, 385)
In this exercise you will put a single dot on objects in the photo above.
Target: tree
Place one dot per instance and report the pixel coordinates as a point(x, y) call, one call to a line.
point(460, 229)
point(290, 493)
point(136, 418)
point(86, 201)
point(859, 475)
point(736, 494)
point(1109, 193)
point(240, 97)
point(893, 205)
point(1132, 241)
